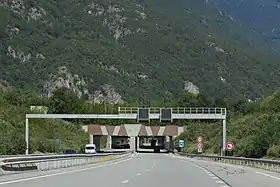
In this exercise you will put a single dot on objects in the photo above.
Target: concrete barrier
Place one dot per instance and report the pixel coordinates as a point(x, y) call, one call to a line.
point(43, 163)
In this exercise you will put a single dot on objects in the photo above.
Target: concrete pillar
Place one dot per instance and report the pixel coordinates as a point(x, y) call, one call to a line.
point(90, 139)
point(171, 144)
point(109, 142)
point(137, 143)
point(132, 140)
point(224, 137)
point(96, 141)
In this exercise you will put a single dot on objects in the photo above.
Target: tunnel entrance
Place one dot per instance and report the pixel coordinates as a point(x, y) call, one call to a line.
point(120, 142)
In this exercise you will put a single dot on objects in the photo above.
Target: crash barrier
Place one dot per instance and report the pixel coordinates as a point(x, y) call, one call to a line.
point(272, 165)
point(42, 163)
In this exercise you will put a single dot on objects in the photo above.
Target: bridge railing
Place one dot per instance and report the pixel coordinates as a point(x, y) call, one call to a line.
point(272, 165)
point(176, 110)
point(48, 162)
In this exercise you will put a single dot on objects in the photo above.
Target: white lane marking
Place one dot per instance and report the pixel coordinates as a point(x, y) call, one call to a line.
point(62, 173)
point(207, 172)
point(220, 182)
point(126, 181)
point(267, 175)
point(138, 174)
point(147, 169)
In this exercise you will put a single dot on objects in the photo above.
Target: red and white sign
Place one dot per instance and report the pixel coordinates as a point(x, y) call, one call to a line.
point(199, 139)
point(229, 146)
point(199, 147)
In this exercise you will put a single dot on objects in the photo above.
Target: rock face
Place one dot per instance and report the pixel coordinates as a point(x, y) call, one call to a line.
point(77, 85)
point(190, 87)
point(133, 50)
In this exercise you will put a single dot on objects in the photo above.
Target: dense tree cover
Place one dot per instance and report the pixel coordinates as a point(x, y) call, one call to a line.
point(14, 104)
point(181, 40)
point(253, 127)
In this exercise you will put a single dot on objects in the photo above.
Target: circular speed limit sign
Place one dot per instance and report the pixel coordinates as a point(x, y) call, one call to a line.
point(199, 139)
point(229, 146)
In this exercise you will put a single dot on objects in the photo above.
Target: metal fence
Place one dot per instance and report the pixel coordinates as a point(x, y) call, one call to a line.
point(272, 165)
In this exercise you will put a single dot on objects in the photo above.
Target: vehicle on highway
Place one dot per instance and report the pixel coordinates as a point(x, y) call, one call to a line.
point(90, 149)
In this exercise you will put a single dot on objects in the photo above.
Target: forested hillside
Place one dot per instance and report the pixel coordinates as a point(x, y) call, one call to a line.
point(253, 127)
point(130, 50)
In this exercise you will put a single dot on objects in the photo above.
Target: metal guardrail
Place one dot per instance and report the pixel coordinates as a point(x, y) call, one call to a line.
point(42, 163)
point(272, 165)
point(175, 110)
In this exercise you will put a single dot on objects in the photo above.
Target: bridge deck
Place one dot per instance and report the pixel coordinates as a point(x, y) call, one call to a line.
point(155, 113)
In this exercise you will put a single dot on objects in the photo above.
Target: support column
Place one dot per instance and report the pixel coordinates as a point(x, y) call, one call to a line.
point(109, 142)
point(137, 143)
point(166, 143)
point(171, 144)
point(90, 139)
point(96, 141)
point(224, 137)
point(132, 142)
point(26, 136)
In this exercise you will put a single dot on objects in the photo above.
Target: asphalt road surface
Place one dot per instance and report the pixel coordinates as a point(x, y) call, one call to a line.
point(148, 169)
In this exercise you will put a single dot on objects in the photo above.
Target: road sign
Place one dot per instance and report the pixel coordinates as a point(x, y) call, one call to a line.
point(199, 139)
point(199, 147)
point(181, 143)
point(229, 146)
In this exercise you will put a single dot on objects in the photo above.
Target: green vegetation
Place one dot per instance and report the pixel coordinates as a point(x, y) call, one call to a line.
point(179, 40)
point(253, 127)
point(14, 104)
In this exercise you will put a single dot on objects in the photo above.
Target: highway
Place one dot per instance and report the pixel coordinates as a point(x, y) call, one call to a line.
point(148, 169)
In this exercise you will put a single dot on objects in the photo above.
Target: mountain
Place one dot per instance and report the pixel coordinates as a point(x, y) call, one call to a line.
point(261, 17)
point(131, 50)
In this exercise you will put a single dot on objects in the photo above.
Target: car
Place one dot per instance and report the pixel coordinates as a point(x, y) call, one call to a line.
point(90, 149)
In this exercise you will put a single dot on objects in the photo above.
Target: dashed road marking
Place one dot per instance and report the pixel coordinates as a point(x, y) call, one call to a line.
point(138, 174)
point(126, 181)
point(211, 174)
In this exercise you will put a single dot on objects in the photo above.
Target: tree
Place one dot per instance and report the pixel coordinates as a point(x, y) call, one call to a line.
point(64, 101)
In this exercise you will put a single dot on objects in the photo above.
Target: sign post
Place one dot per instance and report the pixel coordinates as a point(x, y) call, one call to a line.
point(199, 144)
point(199, 147)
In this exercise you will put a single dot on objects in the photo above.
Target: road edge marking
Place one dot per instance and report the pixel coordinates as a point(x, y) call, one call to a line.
point(267, 175)
point(64, 172)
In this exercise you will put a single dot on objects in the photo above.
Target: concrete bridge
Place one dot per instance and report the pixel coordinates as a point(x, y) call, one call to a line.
point(136, 133)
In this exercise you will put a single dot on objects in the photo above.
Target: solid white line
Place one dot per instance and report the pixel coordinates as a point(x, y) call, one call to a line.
point(267, 175)
point(126, 181)
point(62, 173)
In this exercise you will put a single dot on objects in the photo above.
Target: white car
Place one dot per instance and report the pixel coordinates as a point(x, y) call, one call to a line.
point(90, 149)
